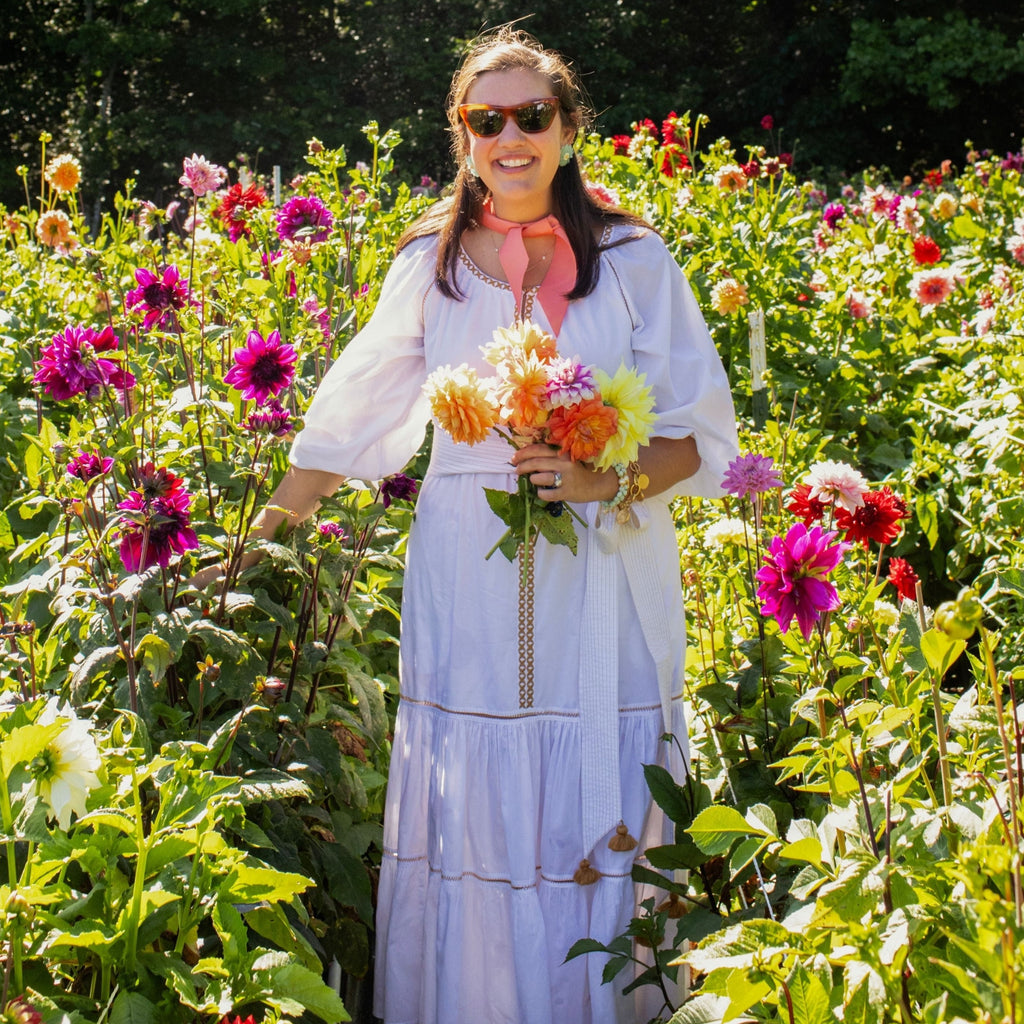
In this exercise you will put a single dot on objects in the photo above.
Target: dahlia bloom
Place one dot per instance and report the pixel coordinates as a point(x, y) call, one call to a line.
point(833, 215)
point(750, 474)
point(569, 381)
point(64, 772)
point(1015, 246)
point(926, 250)
point(74, 363)
point(626, 392)
point(235, 207)
point(159, 297)
point(157, 481)
point(903, 578)
point(730, 178)
point(54, 228)
point(330, 530)
point(86, 466)
point(793, 583)
point(582, 431)
point(767, 122)
point(201, 176)
point(461, 403)
point(876, 201)
point(621, 144)
point(264, 368)
point(305, 218)
point(522, 390)
point(836, 483)
point(398, 487)
point(21, 1011)
point(877, 519)
point(803, 506)
point(859, 305)
point(153, 529)
point(524, 336)
point(271, 418)
point(728, 295)
point(63, 173)
point(932, 287)
point(725, 531)
point(944, 206)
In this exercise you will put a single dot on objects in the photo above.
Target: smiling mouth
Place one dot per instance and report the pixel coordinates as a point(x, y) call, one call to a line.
point(515, 162)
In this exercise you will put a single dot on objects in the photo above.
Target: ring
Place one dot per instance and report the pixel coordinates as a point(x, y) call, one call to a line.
point(558, 482)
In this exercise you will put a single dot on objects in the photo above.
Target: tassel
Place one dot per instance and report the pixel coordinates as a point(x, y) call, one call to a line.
point(585, 874)
point(673, 906)
point(622, 840)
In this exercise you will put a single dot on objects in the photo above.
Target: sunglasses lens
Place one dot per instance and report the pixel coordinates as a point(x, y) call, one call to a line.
point(485, 122)
point(535, 117)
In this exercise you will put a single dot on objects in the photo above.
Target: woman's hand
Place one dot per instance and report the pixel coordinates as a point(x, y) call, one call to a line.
point(558, 478)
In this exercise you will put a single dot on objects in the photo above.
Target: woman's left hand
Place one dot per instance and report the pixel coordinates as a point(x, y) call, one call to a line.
point(558, 478)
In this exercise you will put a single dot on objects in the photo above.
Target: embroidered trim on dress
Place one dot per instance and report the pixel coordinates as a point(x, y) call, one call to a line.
point(535, 713)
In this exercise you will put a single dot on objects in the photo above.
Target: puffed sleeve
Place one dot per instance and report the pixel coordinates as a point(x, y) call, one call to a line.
point(672, 347)
point(369, 415)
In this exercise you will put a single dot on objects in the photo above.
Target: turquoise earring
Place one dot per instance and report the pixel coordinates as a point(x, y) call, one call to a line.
point(471, 166)
point(565, 155)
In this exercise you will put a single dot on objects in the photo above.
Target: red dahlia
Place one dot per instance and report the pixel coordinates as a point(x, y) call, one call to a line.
point(878, 519)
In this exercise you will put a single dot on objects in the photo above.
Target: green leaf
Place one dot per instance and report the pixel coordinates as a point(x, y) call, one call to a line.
point(940, 650)
point(247, 883)
point(132, 1008)
point(716, 829)
point(305, 990)
point(701, 1009)
point(809, 999)
point(668, 794)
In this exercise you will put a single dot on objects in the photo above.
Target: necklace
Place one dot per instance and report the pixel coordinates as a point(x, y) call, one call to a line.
point(534, 260)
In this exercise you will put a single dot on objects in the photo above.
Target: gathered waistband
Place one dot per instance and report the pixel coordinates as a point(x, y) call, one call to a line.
point(489, 456)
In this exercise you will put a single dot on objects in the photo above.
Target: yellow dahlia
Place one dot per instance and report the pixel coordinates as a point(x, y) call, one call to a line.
point(728, 295)
point(54, 228)
point(524, 336)
point(461, 403)
point(626, 393)
point(63, 173)
point(944, 206)
point(522, 390)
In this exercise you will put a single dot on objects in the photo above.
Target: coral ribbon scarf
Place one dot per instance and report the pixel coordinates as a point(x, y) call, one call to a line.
point(561, 276)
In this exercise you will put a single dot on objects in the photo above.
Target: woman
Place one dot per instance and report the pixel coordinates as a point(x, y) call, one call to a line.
point(527, 712)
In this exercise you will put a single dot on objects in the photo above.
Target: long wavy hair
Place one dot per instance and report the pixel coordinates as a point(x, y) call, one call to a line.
point(580, 212)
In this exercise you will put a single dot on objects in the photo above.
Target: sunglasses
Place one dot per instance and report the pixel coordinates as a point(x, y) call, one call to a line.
point(485, 120)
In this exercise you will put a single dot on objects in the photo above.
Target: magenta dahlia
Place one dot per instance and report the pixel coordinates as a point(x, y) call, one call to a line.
point(159, 297)
point(305, 218)
point(264, 368)
point(88, 465)
point(77, 361)
point(154, 529)
point(793, 583)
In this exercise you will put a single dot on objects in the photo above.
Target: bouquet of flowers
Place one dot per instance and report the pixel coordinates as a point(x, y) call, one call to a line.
point(536, 395)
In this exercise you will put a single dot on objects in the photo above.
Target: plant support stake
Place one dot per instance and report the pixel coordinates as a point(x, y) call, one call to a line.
point(758, 366)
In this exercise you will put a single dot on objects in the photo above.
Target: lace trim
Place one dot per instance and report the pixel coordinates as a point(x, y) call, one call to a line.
point(533, 713)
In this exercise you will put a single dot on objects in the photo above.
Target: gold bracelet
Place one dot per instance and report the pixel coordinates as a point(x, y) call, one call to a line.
point(638, 483)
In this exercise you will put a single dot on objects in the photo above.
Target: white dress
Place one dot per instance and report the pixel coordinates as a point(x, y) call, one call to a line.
point(515, 755)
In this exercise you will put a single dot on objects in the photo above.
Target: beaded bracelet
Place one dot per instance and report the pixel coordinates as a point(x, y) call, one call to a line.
point(622, 472)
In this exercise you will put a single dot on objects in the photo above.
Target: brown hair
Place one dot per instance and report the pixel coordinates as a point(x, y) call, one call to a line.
point(581, 214)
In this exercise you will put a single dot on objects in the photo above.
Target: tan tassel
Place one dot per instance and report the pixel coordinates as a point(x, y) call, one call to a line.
point(622, 840)
point(585, 874)
point(673, 906)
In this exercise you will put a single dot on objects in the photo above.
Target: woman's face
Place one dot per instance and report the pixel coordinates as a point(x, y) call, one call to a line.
point(517, 167)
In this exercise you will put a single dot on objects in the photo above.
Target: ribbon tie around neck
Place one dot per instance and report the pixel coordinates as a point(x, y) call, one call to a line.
point(561, 276)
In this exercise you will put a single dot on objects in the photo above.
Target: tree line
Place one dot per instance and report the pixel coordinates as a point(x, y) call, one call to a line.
point(132, 86)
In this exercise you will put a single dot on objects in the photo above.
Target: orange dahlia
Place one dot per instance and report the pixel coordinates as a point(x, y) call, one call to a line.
point(63, 173)
point(54, 228)
point(523, 337)
point(461, 403)
point(583, 430)
point(523, 390)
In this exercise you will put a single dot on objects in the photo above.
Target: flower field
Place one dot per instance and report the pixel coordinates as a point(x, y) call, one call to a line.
point(193, 775)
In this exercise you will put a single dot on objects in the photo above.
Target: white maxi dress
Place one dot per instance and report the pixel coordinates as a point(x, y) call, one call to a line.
point(525, 717)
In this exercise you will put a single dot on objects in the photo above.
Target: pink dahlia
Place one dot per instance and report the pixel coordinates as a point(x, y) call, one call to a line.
point(569, 382)
point(833, 215)
point(154, 529)
point(932, 287)
point(750, 474)
point(272, 418)
point(836, 483)
point(88, 465)
point(858, 304)
point(264, 368)
point(202, 176)
point(158, 297)
point(304, 218)
point(793, 583)
point(77, 362)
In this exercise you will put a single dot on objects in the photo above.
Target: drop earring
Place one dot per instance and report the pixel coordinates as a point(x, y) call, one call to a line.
point(565, 155)
point(471, 166)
